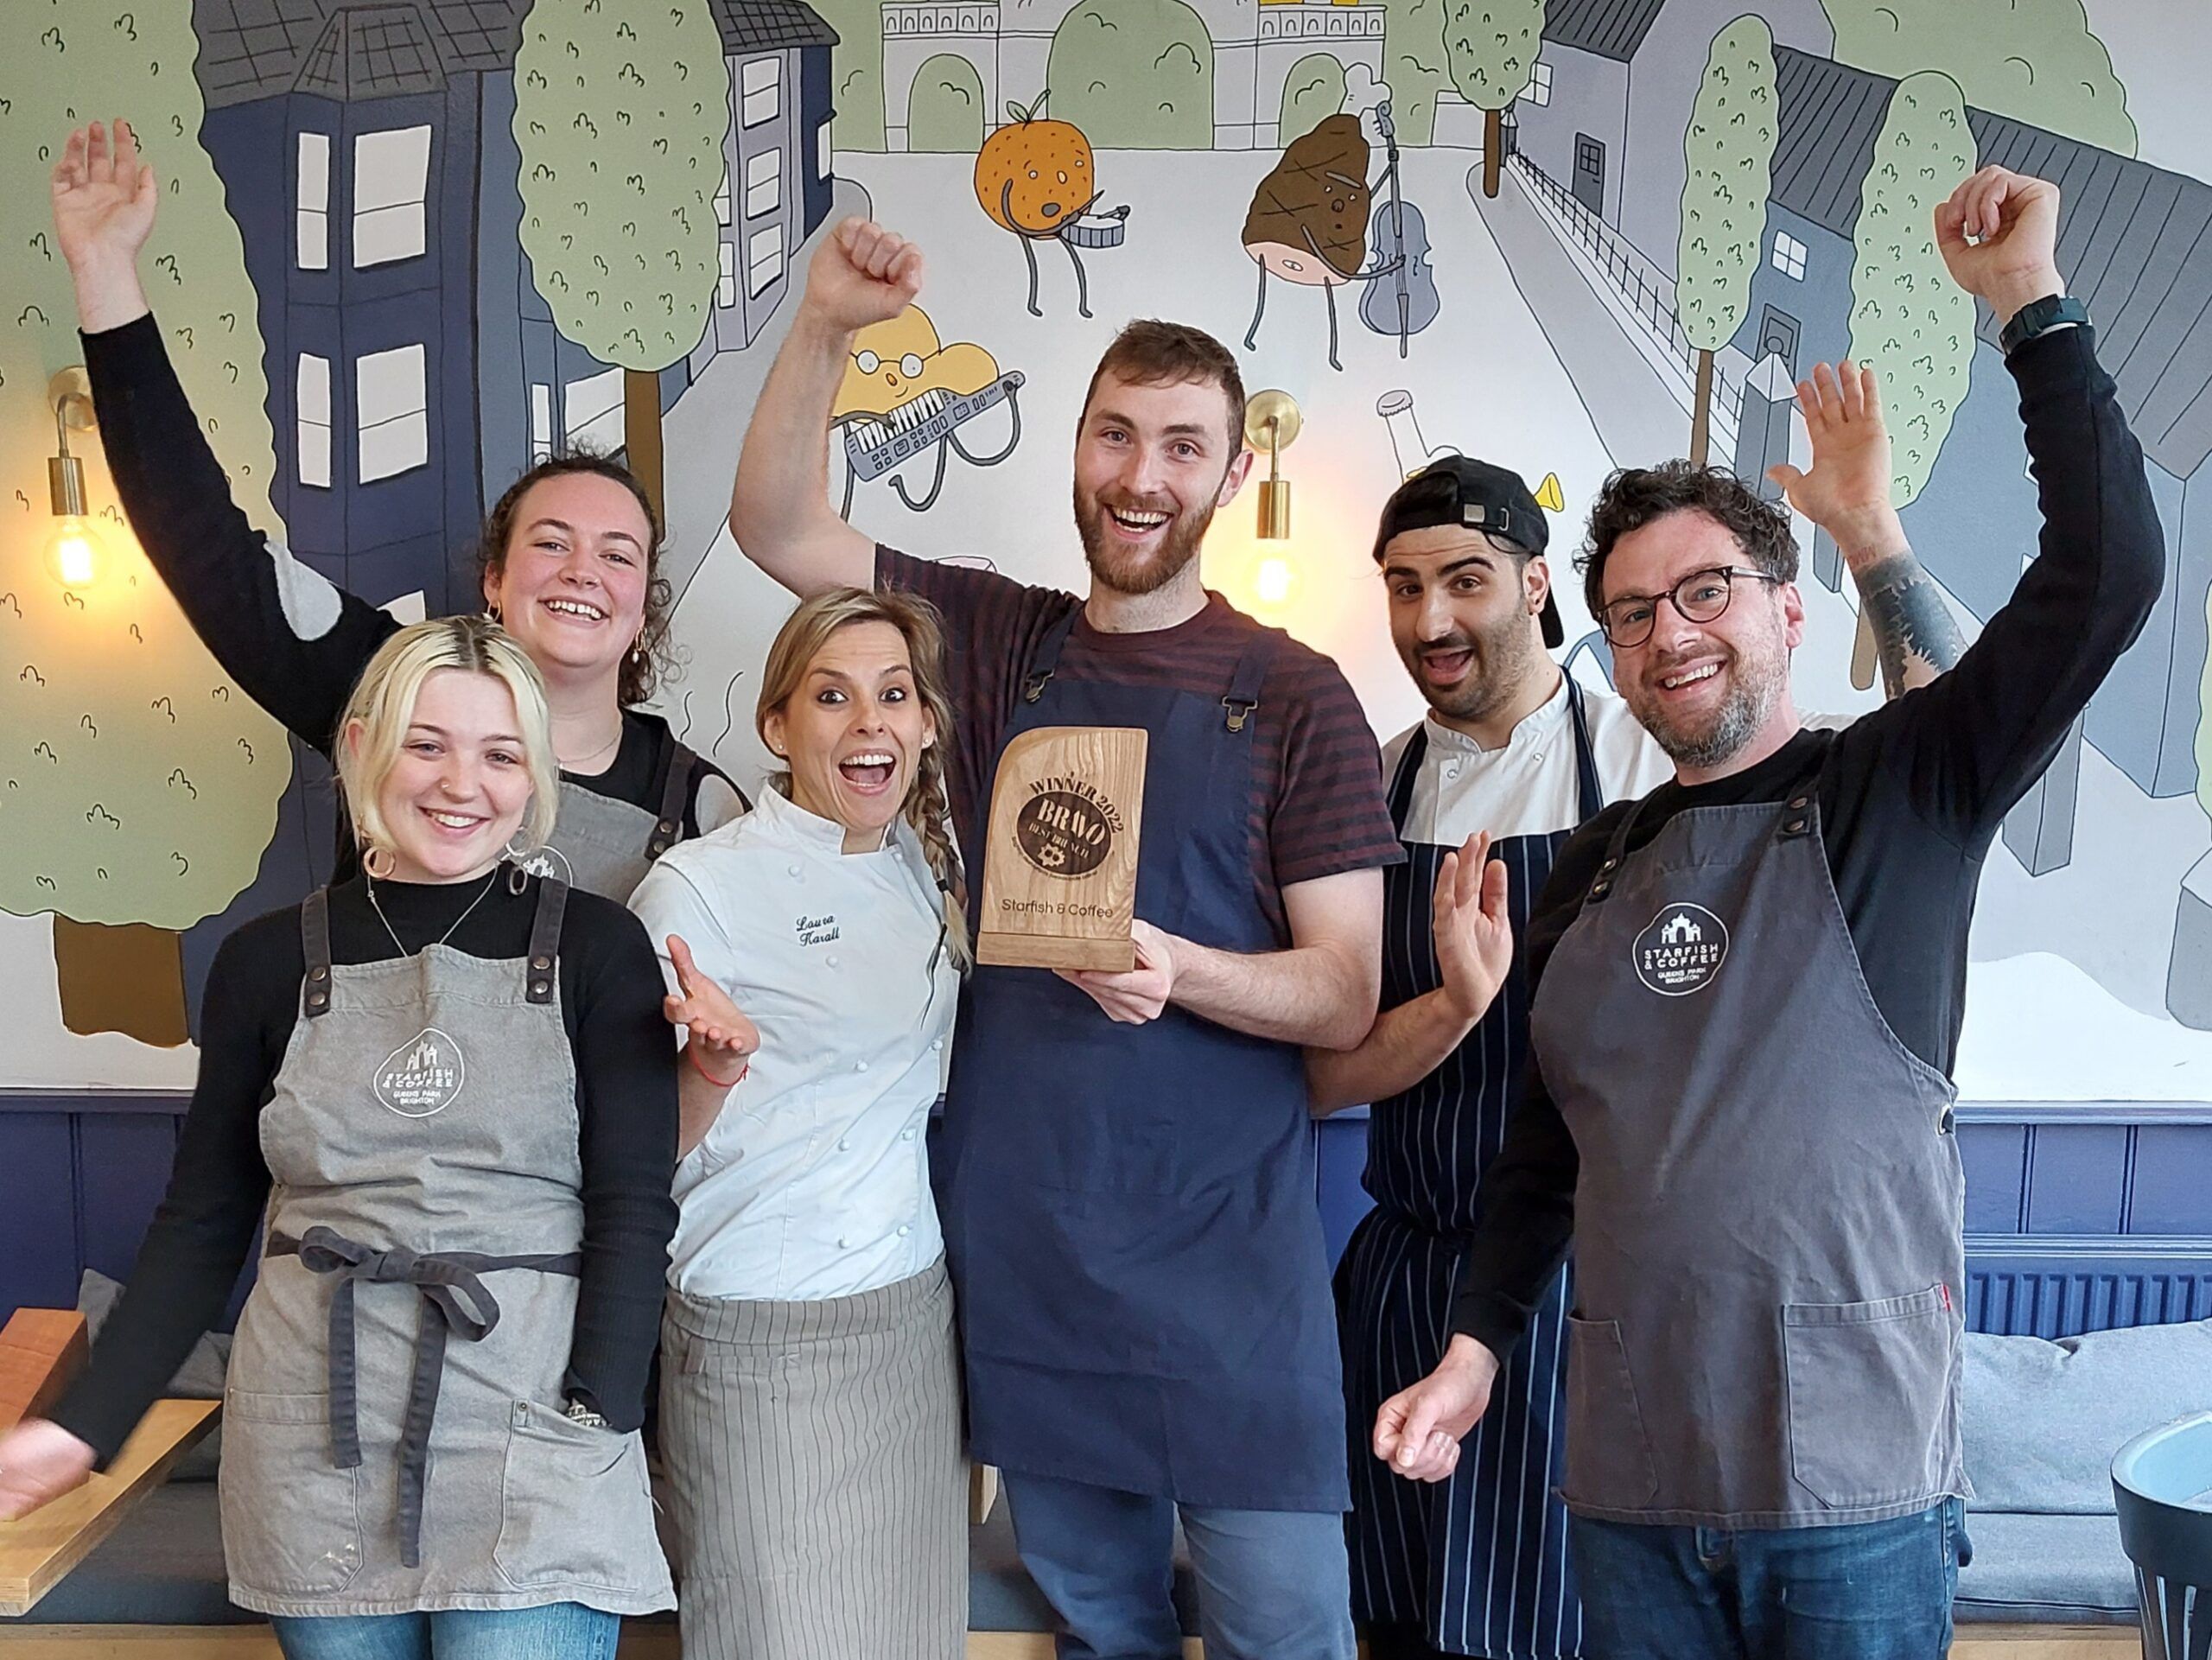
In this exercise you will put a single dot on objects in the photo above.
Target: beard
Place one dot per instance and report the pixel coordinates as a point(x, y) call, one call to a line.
point(1505, 655)
point(1138, 574)
point(1756, 682)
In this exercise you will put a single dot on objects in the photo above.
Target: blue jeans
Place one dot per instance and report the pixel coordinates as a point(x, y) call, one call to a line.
point(1273, 1585)
point(1865, 1591)
point(561, 1631)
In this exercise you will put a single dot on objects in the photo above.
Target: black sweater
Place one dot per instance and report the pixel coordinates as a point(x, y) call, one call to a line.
point(233, 585)
point(625, 1053)
point(1911, 797)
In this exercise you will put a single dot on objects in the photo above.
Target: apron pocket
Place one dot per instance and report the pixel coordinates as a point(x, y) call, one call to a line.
point(291, 1518)
point(1608, 1455)
point(1870, 1386)
point(575, 1504)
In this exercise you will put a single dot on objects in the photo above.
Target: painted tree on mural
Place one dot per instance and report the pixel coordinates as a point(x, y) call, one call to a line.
point(2033, 60)
point(620, 112)
point(1415, 65)
point(856, 70)
point(945, 111)
point(1729, 152)
point(1492, 45)
point(138, 786)
point(1312, 92)
point(1134, 74)
point(1909, 319)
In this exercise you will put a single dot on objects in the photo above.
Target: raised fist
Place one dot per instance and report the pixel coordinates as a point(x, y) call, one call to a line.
point(862, 274)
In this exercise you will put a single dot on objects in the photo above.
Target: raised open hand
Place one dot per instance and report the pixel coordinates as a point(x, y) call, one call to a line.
point(718, 1027)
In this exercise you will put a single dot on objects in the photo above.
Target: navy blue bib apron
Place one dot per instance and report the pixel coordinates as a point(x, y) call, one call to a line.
point(1131, 1220)
point(1479, 1562)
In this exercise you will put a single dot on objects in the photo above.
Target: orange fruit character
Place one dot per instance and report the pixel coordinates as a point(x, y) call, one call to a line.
point(1034, 177)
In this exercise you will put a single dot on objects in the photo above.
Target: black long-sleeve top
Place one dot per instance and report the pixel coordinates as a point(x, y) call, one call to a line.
point(292, 641)
point(1911, 797)
point(624, 1054)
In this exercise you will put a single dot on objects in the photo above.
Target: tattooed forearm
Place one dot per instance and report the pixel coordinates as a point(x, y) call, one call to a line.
point(1914, 633)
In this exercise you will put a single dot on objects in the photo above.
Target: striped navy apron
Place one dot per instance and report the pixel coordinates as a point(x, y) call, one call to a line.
point(1479, 1562)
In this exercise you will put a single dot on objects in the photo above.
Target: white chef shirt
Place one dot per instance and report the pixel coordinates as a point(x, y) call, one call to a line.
point(1527, 787)
point(814, 1181)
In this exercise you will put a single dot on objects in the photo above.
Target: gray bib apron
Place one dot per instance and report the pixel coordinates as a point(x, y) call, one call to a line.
point(605, 846)
point(1767, 1223)
point(393, 1439)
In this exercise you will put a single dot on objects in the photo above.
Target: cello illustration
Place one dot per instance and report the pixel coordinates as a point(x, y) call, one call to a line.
point(1408, 303)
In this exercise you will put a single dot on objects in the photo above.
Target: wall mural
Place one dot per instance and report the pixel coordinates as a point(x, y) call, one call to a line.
point(409, 246)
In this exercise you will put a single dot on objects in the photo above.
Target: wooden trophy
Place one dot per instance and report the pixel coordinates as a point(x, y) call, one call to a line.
point(1060, 853)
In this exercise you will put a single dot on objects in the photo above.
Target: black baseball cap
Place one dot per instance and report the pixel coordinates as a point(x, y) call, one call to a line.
point(1458, 490)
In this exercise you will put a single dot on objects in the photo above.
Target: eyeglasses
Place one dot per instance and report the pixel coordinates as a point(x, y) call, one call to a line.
point(1699, 597)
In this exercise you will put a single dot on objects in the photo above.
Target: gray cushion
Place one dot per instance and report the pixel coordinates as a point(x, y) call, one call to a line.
point(2042, 1420)
point(2053, 1569)
point(200, 1378)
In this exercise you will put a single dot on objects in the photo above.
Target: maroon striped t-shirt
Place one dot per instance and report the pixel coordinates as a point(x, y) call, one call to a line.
point(1318, 805)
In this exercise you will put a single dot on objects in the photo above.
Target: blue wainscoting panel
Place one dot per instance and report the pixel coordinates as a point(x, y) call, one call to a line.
point(2042, 1288)
point(39, 1247)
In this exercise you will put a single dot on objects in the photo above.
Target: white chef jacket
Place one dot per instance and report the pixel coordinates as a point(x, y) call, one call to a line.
point(814, 1181)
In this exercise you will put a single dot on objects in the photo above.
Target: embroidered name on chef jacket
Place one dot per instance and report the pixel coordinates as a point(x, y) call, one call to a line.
point(1680, 949)
point(816, 931)
point(422, 1076)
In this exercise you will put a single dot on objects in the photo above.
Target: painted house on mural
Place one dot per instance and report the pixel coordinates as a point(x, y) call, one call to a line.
point(1608, 94)
point(542, 391)
point(1001, 50)
point(367, 152)
point(2128, 237)
point(345, 136)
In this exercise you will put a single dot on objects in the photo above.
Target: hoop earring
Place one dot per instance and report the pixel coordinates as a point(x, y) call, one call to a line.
point(518, 858)
point(378, 861)
point(492, 611)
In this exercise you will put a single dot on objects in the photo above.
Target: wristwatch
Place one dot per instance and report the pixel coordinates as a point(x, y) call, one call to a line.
point(2037, 316)
point(577, 1413)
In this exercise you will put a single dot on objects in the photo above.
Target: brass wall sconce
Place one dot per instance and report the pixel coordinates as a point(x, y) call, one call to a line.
point(74, 549)
point(1272, 423)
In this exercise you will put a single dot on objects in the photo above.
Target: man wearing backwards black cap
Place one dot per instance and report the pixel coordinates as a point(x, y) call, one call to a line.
point(1512, 755)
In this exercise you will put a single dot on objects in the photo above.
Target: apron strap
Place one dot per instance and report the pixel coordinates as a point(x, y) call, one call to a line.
point(1801, 806)
point(1045, 659)
point(674, 788)
point(545, 939)
point(314, 945)
point(455, 1299)
point(1402, 782)
point(1589, 789)
point(1614, 844)
point(1251, 673)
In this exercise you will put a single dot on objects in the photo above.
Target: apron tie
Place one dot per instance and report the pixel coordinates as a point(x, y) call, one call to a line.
point(455, 1301)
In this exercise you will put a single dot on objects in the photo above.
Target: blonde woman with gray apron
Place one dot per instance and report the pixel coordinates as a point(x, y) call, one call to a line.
point(446, 1087)
point(569, 562)
point(810, 1413)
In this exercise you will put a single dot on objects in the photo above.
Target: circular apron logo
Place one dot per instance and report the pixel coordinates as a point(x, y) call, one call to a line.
point(422, 1076)
point(1681, 949)
point(1065, 828)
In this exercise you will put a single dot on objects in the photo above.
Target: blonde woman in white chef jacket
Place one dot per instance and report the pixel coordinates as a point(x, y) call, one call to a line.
point(810, 1387)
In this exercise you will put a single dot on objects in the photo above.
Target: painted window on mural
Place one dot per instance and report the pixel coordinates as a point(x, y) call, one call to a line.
point(1539, 89)
point(1788, 255)
point(762, 81)
point(392, 399)
point(541, 421)
point(764, 183)
point(311, 219)
point(726, 285)
point(764, 259)
point(312, 397)
point(391, 172)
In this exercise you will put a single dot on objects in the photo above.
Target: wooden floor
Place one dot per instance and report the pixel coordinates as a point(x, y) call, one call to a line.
point(658, 1643)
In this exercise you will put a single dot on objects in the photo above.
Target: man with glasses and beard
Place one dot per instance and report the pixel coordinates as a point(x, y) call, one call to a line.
point(1129, 1213)
point(1512, 755)
point(1747, 992)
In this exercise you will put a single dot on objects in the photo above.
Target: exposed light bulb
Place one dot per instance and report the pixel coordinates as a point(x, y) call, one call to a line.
point(1273, 581)
point(73, 551)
